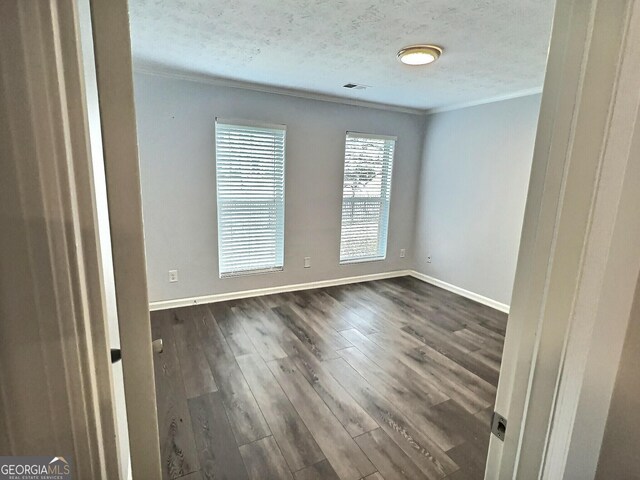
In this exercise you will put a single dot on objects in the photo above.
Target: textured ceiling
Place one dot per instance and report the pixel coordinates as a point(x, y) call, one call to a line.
point(492, 48)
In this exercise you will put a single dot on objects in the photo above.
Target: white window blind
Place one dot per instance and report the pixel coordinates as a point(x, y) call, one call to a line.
point(368, 162)
point(250, 190)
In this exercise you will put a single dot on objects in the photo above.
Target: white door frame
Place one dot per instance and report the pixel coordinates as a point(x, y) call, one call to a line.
point(112, 44)
point(580, 249)
point(604, 299)
point(55, 381)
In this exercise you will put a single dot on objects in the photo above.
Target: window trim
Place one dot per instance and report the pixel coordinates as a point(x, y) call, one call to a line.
point(251, 124)
point(374, 136)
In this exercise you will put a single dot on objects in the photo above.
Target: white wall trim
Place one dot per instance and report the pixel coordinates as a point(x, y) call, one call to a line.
point(259, 87)
point(258, 292)
point(489, 302)
point(166, 72)
point(475, 103)
point(598, 325)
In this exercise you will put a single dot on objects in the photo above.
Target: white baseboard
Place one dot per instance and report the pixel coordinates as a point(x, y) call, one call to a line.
point(461, 291)
point(222, 297)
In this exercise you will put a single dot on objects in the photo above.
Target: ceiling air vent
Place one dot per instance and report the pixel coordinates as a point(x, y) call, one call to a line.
point(355, 86)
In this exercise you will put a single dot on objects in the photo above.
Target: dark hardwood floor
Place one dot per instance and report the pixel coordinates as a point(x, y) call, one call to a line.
point(392, 379)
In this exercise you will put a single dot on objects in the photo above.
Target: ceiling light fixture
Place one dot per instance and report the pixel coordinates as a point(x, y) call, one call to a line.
point(419, 54)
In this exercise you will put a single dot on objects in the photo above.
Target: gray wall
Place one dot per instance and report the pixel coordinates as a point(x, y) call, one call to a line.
point(619, 454)
point(473, 185)
point(177, 147)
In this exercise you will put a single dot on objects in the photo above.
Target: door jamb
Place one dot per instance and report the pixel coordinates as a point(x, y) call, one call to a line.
point(112, 43)
point(580, 160)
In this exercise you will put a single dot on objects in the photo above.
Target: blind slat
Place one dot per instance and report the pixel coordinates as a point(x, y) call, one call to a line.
point(366, 196)
point(250, 191)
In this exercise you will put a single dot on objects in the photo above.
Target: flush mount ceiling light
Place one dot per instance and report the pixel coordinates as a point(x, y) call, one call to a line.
point(419, 54)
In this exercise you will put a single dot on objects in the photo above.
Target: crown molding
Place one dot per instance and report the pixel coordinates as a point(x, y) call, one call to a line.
point(166, 72)
point(499, 98)
point(258, 87)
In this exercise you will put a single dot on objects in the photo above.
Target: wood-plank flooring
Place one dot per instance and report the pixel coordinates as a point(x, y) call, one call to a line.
point(385, 380)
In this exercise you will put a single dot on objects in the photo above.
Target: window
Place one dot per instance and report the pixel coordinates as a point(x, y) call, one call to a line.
point(250, 189)
point(368, 161)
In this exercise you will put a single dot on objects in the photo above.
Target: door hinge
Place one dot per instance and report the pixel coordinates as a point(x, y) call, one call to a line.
point(498, 425)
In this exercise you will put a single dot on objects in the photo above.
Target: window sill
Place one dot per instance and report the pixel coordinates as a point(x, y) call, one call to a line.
point(246, 273)
point(363, 260)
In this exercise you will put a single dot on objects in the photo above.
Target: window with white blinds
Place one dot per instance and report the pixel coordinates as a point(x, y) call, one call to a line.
point(250, 190)
point(368, 162)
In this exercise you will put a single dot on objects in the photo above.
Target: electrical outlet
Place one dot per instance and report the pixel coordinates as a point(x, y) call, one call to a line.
point(307, 262)
point(173, 276)
point(428, 258)
point(403, 253)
